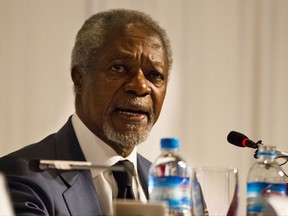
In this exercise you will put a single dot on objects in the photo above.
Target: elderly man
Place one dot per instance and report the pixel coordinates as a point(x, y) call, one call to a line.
point(120, 66)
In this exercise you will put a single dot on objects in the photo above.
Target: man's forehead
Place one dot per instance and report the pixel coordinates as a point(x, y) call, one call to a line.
point(145, 33)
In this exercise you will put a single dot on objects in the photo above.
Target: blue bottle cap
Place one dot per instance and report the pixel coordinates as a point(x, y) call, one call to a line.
point(170, 143)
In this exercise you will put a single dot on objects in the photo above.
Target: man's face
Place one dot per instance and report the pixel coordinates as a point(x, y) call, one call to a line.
point(120, 99)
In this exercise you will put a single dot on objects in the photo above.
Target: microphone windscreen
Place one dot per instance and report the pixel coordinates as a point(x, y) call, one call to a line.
point(236, 138)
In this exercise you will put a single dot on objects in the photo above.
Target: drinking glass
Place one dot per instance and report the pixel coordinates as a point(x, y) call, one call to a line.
point(215, 191)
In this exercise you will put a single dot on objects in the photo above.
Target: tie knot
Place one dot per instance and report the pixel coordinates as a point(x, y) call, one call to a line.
point(127, 166)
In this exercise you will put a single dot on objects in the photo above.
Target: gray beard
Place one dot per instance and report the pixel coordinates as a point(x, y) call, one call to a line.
point(128, 139)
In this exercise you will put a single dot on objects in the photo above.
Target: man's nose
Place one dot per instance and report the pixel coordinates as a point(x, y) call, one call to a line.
point(138, 84)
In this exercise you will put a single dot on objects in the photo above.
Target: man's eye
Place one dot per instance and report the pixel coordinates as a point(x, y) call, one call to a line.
point(156, 77)
point(118, 68)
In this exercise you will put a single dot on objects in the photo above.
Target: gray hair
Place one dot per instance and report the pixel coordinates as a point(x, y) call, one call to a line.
point(92, 35)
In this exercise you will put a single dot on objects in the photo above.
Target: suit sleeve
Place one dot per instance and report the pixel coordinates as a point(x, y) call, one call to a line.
point(28, 190)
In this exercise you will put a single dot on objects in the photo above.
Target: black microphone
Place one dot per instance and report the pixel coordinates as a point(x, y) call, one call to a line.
point(241, 140)
point(41, 165)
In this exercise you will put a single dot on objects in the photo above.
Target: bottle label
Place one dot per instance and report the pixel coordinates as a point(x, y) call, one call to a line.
point(172, 189)
point(257, 193)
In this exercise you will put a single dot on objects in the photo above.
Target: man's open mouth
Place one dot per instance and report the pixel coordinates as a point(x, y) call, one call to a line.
point(133, 113)
point(130, 112)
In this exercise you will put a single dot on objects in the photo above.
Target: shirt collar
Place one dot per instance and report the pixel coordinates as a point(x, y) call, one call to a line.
point(95, 150)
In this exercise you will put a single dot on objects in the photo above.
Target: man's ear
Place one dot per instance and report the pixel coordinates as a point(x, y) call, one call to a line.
point(77, 77)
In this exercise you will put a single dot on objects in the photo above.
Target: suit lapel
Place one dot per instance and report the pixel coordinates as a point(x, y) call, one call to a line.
point(80, 196)
point(143, 166)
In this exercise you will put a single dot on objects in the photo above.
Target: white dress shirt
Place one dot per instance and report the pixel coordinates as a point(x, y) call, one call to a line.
point(100, 153)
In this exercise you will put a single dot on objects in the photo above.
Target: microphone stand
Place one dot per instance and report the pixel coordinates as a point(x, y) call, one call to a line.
point(71, 165)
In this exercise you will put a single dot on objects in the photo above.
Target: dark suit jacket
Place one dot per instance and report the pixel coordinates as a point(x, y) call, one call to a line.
point(55, 192)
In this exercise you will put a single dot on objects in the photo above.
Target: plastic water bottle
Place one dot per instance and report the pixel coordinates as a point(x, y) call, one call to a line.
point(265, 178)
point(169, 179)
